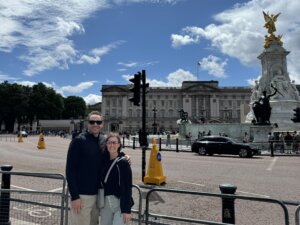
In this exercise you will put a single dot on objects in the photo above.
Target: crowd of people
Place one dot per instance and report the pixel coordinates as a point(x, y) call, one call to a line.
point(285, 142)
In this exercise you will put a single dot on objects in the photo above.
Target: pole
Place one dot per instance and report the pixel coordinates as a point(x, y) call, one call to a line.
point(198, 64)
point(5, 196)
point(228, 212)
point(144, 137)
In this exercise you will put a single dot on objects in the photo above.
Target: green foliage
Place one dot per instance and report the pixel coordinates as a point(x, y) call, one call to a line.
point(75, 107)
point(24, 104)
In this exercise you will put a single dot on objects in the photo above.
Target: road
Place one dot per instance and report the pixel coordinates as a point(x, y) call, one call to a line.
point(261, 176)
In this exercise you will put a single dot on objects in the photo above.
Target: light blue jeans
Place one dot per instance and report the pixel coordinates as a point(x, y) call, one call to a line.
point(111, 213)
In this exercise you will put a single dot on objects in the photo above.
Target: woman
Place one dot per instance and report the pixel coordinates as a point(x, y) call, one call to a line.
point(117, 182)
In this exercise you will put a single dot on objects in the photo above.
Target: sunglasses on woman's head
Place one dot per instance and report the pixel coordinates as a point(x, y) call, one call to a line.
point(98, 122)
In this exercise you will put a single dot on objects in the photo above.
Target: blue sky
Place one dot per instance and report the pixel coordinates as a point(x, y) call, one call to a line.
point(76, 46)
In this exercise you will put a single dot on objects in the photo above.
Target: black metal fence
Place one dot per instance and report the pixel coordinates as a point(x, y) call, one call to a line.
point(21, 205)
point(162, 206)
point(274, 148)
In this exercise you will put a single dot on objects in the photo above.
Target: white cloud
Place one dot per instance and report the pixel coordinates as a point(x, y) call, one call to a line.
point(174, 79)
point(128, 65)
point(77, 88)
point(179, 40)
point(147, 1)
point(239, 32)
point(6, 77)
point(92, 99)
point(26, 83)
point(214, 66)
point(96, 53)
point(43, 28)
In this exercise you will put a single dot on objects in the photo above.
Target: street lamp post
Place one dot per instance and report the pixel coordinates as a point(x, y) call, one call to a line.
point(154, 120)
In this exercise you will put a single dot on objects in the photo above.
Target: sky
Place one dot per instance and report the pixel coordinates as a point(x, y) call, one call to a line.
point(76, 46)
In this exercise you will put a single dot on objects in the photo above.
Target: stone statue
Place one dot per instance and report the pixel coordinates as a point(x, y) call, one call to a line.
point(270, 22)
point(255, 91)
point(262, 108)
point(183, 116)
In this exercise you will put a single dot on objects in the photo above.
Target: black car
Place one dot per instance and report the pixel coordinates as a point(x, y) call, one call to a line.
point(223, 145)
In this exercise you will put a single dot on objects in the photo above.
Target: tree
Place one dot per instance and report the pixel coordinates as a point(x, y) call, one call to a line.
point(45, 103)
point(14, 104)
point(74, 107)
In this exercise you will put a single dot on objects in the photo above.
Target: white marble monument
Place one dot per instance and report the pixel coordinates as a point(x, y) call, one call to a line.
point(275, 73)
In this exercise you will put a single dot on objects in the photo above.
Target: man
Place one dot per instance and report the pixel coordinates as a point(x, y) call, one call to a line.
point(83, 170)
point(288, 141)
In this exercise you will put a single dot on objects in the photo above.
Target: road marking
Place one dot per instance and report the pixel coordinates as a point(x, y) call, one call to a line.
point(272, 164)
point(244, 192)
point(180, 181)
point(15, 221)
point(22, 188)
point(55, 190)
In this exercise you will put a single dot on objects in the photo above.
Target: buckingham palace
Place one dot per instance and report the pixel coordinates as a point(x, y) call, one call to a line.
point(204, 101)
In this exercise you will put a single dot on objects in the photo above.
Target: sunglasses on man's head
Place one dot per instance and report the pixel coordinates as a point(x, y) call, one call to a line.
point(98, 122)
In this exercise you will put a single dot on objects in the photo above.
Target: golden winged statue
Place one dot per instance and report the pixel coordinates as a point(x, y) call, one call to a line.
point(270, 22)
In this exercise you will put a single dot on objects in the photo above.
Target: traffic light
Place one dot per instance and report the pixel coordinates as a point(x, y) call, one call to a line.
point(136, 89)
point(296, 118)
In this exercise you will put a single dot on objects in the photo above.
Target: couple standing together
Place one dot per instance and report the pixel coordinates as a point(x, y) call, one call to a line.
point(89, 158)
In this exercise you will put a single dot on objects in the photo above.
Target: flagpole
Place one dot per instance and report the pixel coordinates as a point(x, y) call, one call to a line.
point(198, 64)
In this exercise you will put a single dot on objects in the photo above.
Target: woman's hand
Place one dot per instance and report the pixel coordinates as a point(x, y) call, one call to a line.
point(127, 157)
point(126, 217)
point(76, 205)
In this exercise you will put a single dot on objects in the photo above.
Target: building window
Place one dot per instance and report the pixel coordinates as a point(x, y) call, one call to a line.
point(114, 102)
point(138, 112)
point(130, 112)
point(113, 112)
point(162, 103)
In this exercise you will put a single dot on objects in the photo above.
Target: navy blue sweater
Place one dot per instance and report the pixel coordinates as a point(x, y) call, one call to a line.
point(84, 165)
point(119, 183)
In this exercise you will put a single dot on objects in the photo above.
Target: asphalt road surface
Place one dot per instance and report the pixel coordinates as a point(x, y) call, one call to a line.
point(260, 176)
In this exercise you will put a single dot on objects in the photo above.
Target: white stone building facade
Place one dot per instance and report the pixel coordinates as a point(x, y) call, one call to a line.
point(203, 100)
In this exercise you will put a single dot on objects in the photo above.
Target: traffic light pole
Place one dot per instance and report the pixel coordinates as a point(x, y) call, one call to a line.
point(144, 136)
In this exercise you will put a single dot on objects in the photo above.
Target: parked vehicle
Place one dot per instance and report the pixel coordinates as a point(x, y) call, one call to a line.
point(210, 145)
point(24, 133)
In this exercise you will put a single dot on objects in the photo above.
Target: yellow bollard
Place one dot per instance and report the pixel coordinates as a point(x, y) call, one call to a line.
point(20, 140)
point(41, 143)
point(155, 171)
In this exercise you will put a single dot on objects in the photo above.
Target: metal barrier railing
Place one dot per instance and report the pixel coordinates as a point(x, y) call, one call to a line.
point(8, 137)
point(172, 145)
point(25, 206)
point(297, 215)
point(137, 211)
point(183, 145)
point(150, 216)
point(21, 205)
